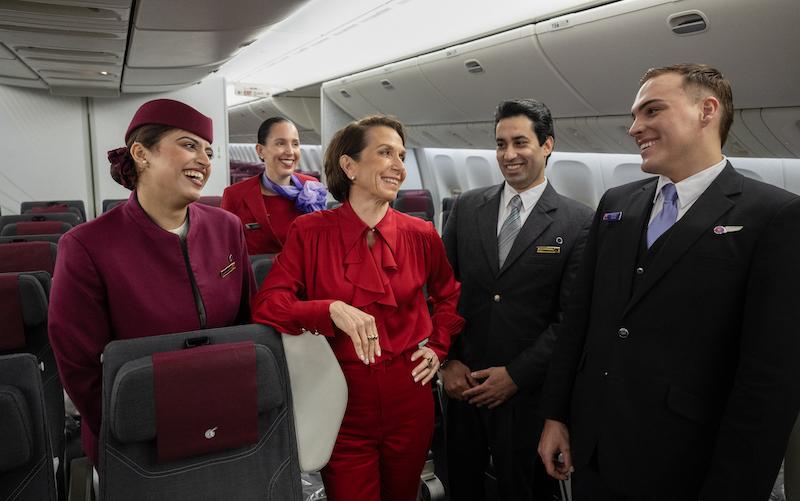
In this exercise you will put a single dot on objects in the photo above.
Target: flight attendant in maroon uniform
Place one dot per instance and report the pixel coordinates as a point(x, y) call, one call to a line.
point(156, 264)
point(268, 203)
point(356, 275)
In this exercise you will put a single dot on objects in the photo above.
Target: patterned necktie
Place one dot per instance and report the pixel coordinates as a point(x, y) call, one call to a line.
point(509, 230)
point(667, 217)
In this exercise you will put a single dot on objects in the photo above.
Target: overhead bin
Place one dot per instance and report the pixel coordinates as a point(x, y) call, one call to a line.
point(55, 45)
point(754, 122)
point(477, 75)
point(243, 123)
point(602, 52)
point(342, 92)
point(401, 90)
point(303, 111)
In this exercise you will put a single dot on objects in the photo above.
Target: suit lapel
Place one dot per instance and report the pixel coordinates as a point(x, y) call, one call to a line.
point(712, 204)
point(538, 221)
point(487, 226)
point(255, 204)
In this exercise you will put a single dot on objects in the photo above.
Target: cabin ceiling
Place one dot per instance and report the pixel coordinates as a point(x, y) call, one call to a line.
point(104, 48)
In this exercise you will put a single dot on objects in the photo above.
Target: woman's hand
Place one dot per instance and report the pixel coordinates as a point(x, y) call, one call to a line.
point(428, 366)
point(360, 327)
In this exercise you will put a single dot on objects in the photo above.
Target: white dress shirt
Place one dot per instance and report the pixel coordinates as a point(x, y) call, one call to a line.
point(689, 190)
point(529, 197)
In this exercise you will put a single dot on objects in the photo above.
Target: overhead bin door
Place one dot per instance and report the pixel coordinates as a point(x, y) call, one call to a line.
point(343, 93)
point(476, 76)
point(603, 51)
point(401, 90)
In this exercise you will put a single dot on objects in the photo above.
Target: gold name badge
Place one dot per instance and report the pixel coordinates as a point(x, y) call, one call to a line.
point(547, 249)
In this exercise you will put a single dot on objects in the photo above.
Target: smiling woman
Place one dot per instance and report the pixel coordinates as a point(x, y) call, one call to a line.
point(357, 275)
point(186, 265)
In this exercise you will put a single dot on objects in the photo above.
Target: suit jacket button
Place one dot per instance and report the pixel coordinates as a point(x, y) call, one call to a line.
point(639, 270)
point(497, 298)
point(623, 333)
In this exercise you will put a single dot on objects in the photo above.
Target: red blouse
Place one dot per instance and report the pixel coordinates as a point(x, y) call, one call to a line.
point(326, 258)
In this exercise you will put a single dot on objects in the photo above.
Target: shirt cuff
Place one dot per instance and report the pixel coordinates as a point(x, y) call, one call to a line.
point(315, 315)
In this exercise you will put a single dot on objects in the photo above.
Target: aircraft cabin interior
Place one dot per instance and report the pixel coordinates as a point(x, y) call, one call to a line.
point(73, 73)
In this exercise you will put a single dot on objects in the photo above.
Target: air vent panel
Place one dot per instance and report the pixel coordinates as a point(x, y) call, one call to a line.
point(473, 66)
point(688, 23)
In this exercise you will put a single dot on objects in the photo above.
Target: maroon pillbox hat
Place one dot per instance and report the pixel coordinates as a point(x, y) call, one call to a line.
point(172, 113)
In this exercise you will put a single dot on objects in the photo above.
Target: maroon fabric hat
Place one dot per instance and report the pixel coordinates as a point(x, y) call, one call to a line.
point(172, 113)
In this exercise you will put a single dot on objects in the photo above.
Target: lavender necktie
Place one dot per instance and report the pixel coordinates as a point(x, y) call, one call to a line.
point(667, 217)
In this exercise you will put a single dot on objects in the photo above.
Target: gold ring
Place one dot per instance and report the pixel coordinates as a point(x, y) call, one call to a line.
point(373, 338)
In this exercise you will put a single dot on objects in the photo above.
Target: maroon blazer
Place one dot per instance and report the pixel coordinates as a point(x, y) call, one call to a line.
point(121, 276)
point(326, 258)
point(245, 200)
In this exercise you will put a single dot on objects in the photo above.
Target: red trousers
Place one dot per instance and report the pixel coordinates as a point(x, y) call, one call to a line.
point(385, 434)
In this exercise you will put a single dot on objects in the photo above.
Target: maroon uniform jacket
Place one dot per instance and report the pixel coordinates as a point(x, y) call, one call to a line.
point(265, 231)
point(326, 258)
point(121, 276)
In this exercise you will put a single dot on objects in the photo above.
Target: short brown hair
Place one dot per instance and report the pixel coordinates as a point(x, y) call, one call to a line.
point(702, 76)
point(351, 141)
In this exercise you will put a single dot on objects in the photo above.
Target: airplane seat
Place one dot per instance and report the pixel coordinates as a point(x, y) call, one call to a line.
point(261, 264)
point(35, 228)
point(447, 205)
point(26, 463)
point(417, 201)
point(66, 217)
point(332, 204)
point(23, 313)
point(75, 206)
point(213, 201)
point(109, 204)
point(196, 446)
point(28, 256)
point(576, 180)
point(31, 238)
point(422, 215)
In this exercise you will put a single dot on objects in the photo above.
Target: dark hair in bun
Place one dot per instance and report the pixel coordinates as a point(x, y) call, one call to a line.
point(123, 168)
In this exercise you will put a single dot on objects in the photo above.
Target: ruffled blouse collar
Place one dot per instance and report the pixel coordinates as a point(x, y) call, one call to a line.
point(366, 268)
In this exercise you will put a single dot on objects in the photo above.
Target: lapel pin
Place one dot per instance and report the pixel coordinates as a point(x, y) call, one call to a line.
point(721, 230)
point(559, 240)
point(612, 216)
point(227, 270)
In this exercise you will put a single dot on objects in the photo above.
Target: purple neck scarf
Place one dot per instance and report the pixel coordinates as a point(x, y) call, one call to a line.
point(309, 197)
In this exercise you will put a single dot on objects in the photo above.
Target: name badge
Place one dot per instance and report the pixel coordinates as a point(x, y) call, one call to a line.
point(612, 216)
point(548, 249)
point(230, 268)
point(253, 226)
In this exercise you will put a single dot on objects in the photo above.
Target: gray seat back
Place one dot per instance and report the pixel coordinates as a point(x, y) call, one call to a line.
point(26, 459)
point(75, 206)
point(261, 263)
point(266, 470)
point(66, 217)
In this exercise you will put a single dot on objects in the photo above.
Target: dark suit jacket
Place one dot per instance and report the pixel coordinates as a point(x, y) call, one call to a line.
point(682, 373)
point(513, 314)
point(244, 200)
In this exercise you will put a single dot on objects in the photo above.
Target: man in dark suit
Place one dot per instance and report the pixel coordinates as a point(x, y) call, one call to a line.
point(674, 378)
point(514, 247)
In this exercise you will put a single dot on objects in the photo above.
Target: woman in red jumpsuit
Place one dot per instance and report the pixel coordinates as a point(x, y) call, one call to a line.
point(268, 203)
point(356, 274)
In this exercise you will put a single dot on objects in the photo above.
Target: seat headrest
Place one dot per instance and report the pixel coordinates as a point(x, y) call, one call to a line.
point(27, 256)
point(13, 333)
point(132, 410)
point(16, 433)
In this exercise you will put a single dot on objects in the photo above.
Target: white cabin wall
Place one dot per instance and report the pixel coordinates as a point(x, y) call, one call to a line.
point(44, 141)
point(54, 148)
point(110, 119)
